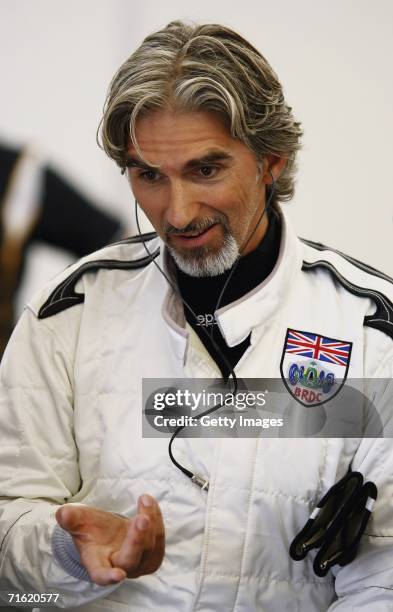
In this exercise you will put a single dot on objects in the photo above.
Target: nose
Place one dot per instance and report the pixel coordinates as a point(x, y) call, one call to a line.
point(182, 207)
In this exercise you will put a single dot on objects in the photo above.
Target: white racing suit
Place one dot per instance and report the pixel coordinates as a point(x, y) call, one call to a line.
point(71, 421)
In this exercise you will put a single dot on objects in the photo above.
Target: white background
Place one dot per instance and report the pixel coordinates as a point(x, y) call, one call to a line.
point(333, 58)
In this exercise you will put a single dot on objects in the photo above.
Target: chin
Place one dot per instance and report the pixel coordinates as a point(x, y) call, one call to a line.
point(203, 261)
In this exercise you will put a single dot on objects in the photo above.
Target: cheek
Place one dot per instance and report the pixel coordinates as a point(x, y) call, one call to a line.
point(147, 201)
point(136, 189)
point(235, 200)
point(223, 197)
point(152, 212)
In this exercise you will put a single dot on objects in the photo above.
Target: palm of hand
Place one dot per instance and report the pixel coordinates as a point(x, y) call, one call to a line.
point(112, 547)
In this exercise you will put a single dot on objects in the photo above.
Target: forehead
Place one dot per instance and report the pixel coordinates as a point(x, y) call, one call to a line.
point(168, 137)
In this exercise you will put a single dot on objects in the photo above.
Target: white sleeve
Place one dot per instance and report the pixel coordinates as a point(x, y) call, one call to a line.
point(367, 582)
point(39, 462)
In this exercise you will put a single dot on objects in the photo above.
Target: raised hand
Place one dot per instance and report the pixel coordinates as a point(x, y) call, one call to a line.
point(112, 547)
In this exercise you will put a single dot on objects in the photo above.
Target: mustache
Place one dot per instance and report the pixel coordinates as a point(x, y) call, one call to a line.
point(198, 225)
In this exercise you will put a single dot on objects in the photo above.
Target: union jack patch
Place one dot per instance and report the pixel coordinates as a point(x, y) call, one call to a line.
point(314, 367)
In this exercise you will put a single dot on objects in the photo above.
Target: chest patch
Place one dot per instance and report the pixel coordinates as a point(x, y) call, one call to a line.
point(314, 367)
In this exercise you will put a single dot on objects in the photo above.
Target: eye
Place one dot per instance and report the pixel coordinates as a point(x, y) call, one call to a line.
point(150, 176)
point(207, 171)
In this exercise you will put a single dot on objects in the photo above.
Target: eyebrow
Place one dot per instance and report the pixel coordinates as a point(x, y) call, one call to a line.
point(209, 157)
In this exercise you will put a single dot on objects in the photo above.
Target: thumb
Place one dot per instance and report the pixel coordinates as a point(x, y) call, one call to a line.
point(70, 518)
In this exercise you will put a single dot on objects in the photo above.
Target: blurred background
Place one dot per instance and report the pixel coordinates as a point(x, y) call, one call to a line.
point(333, 58)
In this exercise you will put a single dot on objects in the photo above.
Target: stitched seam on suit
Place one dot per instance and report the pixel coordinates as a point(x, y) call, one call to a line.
point(57, 340)
point(11, 526)
point(267, 578)
point(322, 472)
point(186, 485)
point(371, 586)
point(296, 498)
point(206, 535)
point(246, 534)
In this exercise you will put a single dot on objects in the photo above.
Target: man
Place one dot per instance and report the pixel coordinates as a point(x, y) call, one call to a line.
point(197, 119)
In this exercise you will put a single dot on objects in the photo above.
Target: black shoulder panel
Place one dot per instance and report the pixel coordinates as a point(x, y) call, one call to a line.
point(64, 295)
point(136, 239)
point(359, 264)
point(382, 318)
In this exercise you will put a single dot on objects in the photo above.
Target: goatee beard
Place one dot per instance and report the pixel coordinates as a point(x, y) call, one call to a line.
point(202, 262)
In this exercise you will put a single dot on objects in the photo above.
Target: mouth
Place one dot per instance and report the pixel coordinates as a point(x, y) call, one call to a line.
point(194, 239)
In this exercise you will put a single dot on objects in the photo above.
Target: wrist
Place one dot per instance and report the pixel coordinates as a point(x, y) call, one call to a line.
point(67, 555)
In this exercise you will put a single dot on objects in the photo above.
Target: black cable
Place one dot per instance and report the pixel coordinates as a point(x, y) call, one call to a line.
point(265, 210)
point(185, 303)
point(196, 478)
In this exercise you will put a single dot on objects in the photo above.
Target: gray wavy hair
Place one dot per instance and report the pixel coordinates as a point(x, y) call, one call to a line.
point(203, 67)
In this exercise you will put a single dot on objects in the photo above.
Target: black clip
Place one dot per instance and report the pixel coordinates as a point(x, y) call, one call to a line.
point(336, 524)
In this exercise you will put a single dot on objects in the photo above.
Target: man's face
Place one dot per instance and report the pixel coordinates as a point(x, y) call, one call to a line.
point(201, 189)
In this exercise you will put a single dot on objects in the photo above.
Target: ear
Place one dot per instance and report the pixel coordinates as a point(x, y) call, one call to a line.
point(274, 164)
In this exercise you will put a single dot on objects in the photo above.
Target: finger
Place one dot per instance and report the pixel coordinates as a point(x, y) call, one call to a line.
point(70, 518)
point(153, 553)
point(152, 559)
point(104, 576)
point(130, 554)
point(147, 506)
point(97, 564)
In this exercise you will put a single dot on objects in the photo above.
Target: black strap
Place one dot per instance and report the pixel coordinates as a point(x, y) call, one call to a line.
point(382, 318)
point(64, 295)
